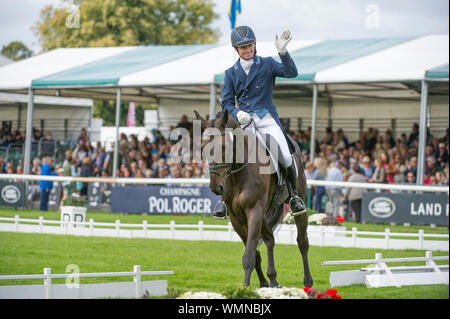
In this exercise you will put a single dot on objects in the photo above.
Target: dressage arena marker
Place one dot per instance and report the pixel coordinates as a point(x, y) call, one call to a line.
point(135, 289)
point(378, 274)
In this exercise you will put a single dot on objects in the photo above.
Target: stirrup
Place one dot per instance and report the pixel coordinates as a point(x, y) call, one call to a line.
point(300, 212)
point(226, 211)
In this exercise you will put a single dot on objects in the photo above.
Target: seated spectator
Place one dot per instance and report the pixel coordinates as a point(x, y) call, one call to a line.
point(391, 173)
point(441, 155)
point(367, 169)
point(410, 178)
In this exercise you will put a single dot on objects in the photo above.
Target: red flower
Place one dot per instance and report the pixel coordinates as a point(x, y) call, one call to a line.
point(340, 220)
point(307, 289)
point(331, 292)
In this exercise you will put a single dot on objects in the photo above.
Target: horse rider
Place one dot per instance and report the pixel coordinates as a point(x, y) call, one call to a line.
point(250, 82)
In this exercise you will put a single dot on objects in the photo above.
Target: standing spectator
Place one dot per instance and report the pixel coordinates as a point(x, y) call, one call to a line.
point(413, 136)
point(82, 138)
point(379, 175)
point(355, 195)
point(85, 171)
point(334, 192)
point(36, 168)
point(2, 165)
point(45, 186)
point(319, 191)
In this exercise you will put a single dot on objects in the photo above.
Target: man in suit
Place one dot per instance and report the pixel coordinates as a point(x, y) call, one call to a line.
point(250, 83)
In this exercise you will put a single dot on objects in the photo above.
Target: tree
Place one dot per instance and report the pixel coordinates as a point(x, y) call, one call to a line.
point(102, 23)
point(16, 50)
point(106, 110)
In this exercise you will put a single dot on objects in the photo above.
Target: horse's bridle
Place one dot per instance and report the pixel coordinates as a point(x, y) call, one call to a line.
point(229, 171)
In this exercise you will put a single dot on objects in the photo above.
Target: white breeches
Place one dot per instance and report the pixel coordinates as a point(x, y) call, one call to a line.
point(267, 125)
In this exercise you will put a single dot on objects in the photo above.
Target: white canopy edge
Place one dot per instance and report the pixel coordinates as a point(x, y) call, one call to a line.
point(19, 75)
point(406, 61)
point(43, 99)
point(200, 68)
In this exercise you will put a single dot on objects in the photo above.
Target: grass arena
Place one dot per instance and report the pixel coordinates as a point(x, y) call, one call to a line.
point(198, 265)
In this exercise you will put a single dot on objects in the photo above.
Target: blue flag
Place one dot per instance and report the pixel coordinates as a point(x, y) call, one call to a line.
point(233, 11)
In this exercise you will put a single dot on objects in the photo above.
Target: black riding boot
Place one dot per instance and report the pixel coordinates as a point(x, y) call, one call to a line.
point(296, 204)
point(220, 210)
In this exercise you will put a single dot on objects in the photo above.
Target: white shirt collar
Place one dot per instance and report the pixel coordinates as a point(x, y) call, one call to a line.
point(246, 65)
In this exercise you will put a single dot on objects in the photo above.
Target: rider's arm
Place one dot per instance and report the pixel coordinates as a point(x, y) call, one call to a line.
point(285, 69)
point(229, 96)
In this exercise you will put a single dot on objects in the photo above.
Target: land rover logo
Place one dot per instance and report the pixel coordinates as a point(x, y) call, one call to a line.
point(10, 194)
point(382, 207)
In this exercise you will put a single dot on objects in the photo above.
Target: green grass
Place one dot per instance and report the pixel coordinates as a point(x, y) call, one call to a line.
point(198, 265)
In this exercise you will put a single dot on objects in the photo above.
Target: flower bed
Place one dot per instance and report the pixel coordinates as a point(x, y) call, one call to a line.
point(263, 293)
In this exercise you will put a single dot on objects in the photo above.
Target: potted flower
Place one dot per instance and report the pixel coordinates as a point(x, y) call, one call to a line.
point(73, 210)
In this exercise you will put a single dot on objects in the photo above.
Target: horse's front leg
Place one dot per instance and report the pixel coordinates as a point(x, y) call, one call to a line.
point(254, 222)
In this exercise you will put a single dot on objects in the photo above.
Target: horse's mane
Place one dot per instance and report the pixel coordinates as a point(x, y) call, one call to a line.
point(232, 123)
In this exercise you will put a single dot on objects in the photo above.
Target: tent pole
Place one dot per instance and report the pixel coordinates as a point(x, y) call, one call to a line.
point(116, 144)
point(312, 143)
point(212, 101)
point(422, 133)
point(29, 131)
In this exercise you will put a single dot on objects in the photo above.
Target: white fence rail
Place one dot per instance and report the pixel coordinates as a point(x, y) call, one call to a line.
point(205, 181)
point(284, 234)
point(73, 290)
point(379, 274)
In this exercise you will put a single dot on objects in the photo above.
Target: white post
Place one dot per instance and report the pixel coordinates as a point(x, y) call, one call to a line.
point(91, 226)
point(322, 235)
point(16, 222)
point(172, 228)
point(144, 226)
point(48, 283)
point(212, 101)
point(422, 133)
point(312, 144)
point(29, 132)
point(387, 236)
point(354, 236)
point(200, 229)
point(230, 230)
point(117, 228)
point(41, 224)
point(116, 144)
point(421, 233)
point(137, 280)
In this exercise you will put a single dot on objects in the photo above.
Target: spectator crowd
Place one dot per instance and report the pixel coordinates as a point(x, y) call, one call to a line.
point(374, 158)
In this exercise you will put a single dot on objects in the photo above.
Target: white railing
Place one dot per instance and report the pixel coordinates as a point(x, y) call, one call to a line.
point(75, 290)
point(205, 181)
point(284, 234)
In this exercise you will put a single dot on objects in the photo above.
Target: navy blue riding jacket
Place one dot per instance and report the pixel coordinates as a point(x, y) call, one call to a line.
point(254, 93)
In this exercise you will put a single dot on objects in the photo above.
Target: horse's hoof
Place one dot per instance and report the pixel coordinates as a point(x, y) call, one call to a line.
point(277, 285)
point(264, 284)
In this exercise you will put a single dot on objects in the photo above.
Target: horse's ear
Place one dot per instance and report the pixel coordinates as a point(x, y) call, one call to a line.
point(204, 122)
point(224, 118)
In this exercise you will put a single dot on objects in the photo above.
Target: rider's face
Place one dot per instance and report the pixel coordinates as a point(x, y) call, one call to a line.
point(246, 52)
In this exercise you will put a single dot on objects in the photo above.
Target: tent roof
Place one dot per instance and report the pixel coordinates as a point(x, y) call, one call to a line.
point(149, 73)
point(108, 70)
point(439, 72)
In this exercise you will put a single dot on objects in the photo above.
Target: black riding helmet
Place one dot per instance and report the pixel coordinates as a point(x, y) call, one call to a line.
point(242, 35)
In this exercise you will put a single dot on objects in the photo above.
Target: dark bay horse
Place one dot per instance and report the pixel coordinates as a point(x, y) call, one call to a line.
point(248, 195)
